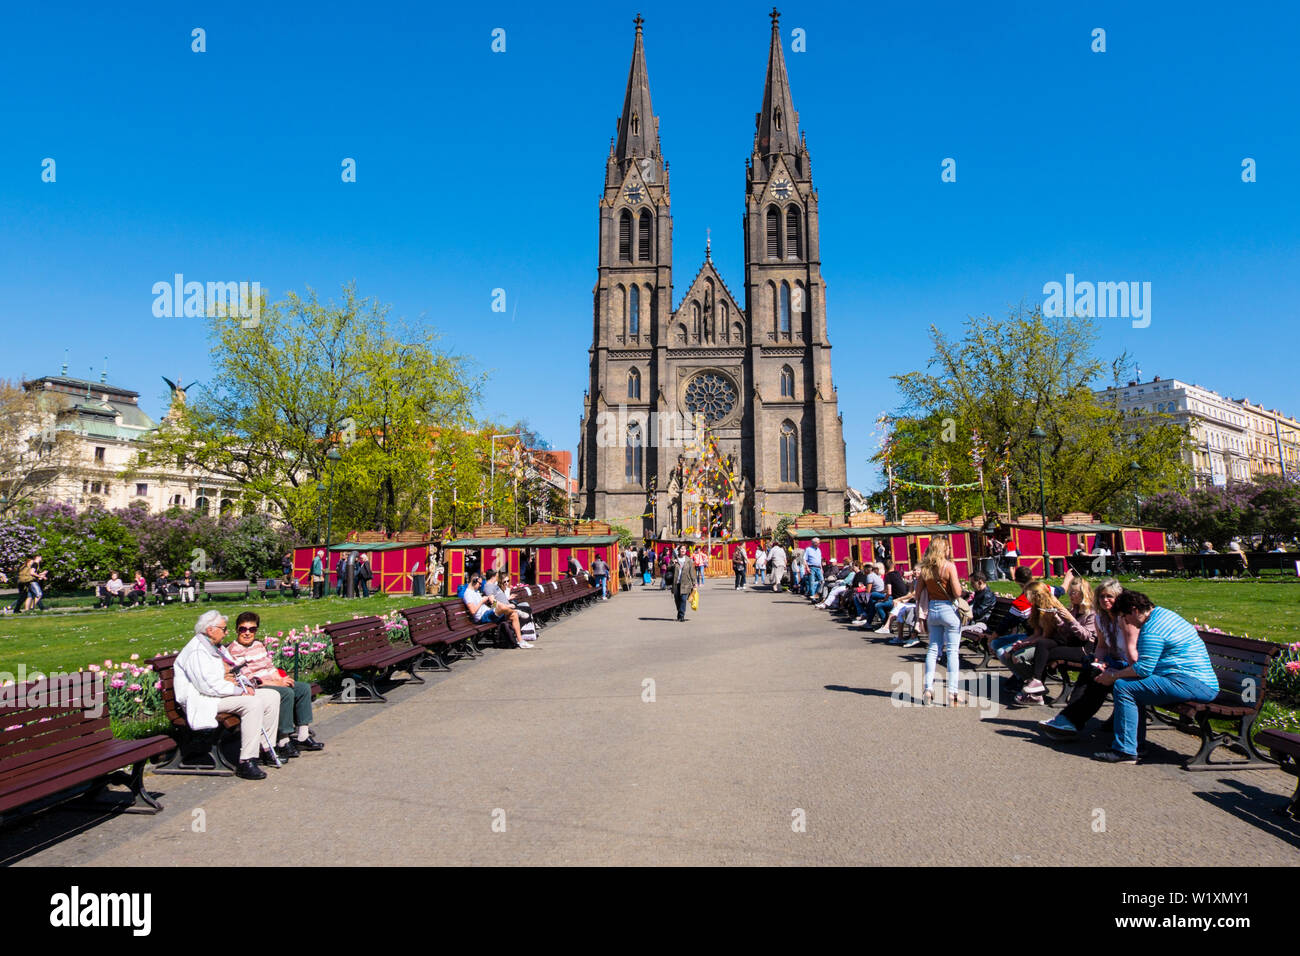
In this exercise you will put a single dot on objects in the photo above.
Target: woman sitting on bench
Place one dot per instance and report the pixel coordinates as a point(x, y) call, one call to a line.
point(1050, 626)
point(111, 590)
point(486, 610)
point(295, 695)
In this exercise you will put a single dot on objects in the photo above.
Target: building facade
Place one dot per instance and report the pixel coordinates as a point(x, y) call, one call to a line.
point(1231, 439)
point(717, 414)
point(107, 425)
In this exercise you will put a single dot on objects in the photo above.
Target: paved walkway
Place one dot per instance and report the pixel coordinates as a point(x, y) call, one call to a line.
point(765, 715)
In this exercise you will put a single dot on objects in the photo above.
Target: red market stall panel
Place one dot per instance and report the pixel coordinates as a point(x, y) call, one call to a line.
point(1133, 540)
point(545, 565)
point(898, 550)
point(1029, 546)
point(961, 553)
point(1153, 542)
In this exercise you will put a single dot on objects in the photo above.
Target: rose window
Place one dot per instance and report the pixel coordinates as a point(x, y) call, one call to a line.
point(711, 396)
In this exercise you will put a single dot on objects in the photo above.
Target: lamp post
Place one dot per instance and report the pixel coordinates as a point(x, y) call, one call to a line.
point(333, 458)
point(1134, 470)
point(320, 493)
point(1039, 436)
point(492, 473)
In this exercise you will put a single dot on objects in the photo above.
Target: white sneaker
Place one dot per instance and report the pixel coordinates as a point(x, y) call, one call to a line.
point(1034, 687)
point(524, 645)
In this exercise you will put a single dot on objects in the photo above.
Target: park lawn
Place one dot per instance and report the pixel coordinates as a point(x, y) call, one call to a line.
point(1268, 611)
point(65, 642)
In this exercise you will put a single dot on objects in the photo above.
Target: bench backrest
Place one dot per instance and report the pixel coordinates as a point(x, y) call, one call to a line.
point(1001, 620)
point(225, 587)
point(164, 665)
point(356, 638)
point(49, 718)
point(459, 619)
point(426, 621)
point(1241, 666)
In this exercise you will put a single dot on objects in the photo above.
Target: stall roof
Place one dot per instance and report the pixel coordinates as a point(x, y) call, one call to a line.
point(377, 546)
point(804, 534)
point(576, 540)
point(1070, 528)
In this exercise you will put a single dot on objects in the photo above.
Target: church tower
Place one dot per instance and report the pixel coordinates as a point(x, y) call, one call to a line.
point(757, 378)
point(798, 455)
point(631, 308)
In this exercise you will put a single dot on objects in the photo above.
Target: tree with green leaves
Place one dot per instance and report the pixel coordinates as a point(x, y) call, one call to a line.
point(309, 377)
point(999, 381)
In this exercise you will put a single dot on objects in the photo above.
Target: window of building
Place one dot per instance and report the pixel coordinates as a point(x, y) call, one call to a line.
point(773, 233)
point(634, 311)
point(99, 453)
point(201, 505)
point(643, 236)
point(789, 453)
point(792, 233)
point(633, 456)
point(634, 384)
point(141, 490)
point(785, 308)
point(787, 382)
point(625, 237)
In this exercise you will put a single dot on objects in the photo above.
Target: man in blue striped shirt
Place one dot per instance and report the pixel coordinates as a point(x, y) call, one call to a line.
point(1172, 666)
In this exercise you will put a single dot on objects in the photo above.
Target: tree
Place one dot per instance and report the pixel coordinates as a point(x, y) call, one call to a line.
point(1001, 379)
point(34, 454)
point(311, 377)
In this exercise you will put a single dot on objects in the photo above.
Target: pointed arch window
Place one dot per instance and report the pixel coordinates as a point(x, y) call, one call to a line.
point(785, 308)
point(789, 453)
point(776, 119)
point(792, 232)
point(625, 237)
point(634, 384)
point(634, 311)
point(787, 382)
point(643, 236)
point(773, 233)
point(634, 453)
point(695, 318)
point(635, 125)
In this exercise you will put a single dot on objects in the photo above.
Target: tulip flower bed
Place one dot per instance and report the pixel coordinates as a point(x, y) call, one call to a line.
point(134, 701)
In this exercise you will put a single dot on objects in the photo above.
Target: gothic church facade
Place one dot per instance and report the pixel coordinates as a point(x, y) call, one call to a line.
point(756, 371)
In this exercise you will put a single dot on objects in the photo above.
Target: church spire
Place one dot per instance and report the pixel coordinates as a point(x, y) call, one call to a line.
point(777, 122)
point(638, 131)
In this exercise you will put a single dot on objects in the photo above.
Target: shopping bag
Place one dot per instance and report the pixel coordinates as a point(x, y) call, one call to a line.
point(695, 600)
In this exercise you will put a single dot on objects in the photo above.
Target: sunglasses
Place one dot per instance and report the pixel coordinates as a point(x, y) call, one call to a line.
point(245, 629)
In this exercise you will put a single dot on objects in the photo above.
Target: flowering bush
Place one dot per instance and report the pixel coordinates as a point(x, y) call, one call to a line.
point(1284, 675)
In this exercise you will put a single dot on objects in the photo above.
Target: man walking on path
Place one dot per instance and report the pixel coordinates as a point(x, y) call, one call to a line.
point(684, 582)
point(812, 557)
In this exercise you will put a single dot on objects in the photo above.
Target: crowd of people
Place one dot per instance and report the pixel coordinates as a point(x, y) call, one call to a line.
point(1121, 642)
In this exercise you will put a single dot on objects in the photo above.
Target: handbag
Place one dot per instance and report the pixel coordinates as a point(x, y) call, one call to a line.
point(964, 613)
point(695, 600)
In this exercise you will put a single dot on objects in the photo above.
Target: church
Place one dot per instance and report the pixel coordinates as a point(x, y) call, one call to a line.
point(751, 374)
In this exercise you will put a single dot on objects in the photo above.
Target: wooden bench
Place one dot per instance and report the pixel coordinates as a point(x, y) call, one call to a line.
point(1285, 748)
point(198, 752)
point(1241, 666)
point(291, 590)
point(212, 588)
point(430, 628)
point(56, 744)
point(364, 654)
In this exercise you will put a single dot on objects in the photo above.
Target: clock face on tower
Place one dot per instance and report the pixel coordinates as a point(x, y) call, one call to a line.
point(633, 192)
point(782, 188)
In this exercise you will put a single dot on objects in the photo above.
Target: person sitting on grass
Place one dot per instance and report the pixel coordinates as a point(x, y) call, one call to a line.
point(1173, 665)
point(206, 684)
point(1116, 648)
point(295, 695)
point(486, 610)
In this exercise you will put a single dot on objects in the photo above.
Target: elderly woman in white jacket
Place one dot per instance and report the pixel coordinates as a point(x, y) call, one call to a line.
point(205, 686)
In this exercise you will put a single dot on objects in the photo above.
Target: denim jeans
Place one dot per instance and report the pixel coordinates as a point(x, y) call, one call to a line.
point(601, 579)
point(1131, 697)
point(681, 600)
point(814, 580)
point(944, 626)
point(880, 605)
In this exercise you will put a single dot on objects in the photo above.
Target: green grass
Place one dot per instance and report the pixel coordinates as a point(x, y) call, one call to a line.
point(64, 642)
point(1268, 611)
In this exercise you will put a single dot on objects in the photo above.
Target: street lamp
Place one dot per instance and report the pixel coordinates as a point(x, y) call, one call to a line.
point(1039, 436)
point(1134, 470)
point(320, 493)
point(333, 457)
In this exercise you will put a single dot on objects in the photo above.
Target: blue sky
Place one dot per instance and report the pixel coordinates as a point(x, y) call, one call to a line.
point(1123, 165)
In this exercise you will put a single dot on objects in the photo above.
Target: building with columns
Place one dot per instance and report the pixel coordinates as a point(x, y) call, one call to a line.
point(1231, 439)
point(744, 374)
